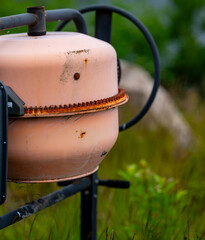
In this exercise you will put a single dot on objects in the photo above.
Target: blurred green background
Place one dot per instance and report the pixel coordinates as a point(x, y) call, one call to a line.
point(178, 27)
point(167, 196)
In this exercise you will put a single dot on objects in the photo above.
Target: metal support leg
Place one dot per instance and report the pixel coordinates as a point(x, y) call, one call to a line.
point(3, 141)
point(89, 210)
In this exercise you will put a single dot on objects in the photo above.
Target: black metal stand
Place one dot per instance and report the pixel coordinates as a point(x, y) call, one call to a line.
point(89, 210)
point(88, 188)
point(89, 205)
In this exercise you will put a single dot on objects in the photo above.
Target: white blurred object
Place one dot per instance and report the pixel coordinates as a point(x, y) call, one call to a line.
point(164, 112)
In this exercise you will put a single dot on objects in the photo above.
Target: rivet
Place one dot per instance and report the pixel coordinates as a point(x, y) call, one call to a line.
point(76, 76)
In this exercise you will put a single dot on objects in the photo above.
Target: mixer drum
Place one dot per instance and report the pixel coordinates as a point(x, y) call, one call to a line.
point(68, 82)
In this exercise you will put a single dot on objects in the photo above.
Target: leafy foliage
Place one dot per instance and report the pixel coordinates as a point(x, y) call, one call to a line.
point(155, 204)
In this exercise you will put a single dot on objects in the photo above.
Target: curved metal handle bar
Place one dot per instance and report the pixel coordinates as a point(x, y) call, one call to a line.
point(68, 14)
point(51, 16)
point(17, 20)
point(152, 45)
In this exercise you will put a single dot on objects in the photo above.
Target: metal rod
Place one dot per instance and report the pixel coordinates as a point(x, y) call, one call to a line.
point(51, 15)
point(103, 25)
point(3, 141)
point(44, 202)
point(68, 14)
point(89, 210)
point(103, 182)
point(113, 183)
point(17, 20)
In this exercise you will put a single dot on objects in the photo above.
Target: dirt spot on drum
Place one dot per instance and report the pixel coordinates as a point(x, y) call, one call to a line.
point(82, 134)
point(79, 51)
point(66, 71)
point(103, 153)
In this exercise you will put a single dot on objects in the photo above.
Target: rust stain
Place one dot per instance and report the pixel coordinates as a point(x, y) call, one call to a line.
point(86, 60)
point(79, 51)
point(82, 134)
point(97, 105)
point(66, 68)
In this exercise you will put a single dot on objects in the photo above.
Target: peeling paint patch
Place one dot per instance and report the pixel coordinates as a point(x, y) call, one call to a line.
point(79, 51)
point(65, 73)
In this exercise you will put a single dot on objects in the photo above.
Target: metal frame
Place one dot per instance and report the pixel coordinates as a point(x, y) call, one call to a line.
point(88, 188)
point(36, 17)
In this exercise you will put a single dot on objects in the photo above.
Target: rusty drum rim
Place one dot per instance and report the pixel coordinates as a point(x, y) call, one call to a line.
point(77, 108)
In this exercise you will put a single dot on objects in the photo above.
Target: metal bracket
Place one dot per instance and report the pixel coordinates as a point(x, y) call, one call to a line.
point(15, 103)
point(10, 105)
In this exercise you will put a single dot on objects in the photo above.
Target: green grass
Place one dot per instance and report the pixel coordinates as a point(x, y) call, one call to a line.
point(165, 201)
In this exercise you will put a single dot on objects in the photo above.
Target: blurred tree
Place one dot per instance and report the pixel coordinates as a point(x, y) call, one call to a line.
point(187, 30)
point(178, 27)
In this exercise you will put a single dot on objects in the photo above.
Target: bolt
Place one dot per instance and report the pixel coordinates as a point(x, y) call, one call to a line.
point(4, 142)
point(76, 76)
point(10, 105)
point(2, 87)
point(87, 192)
point(95, 195)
